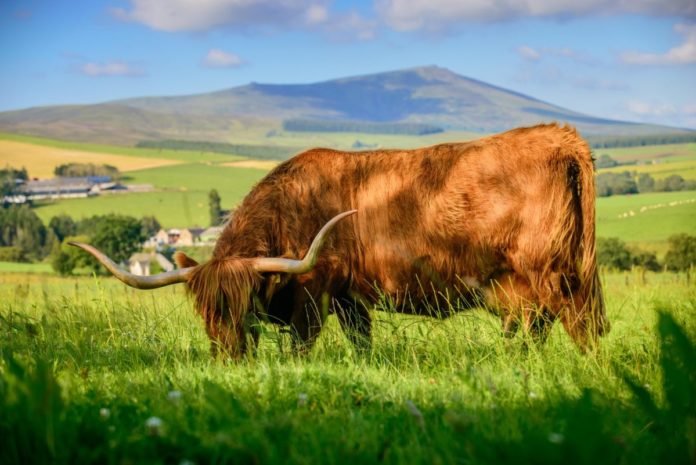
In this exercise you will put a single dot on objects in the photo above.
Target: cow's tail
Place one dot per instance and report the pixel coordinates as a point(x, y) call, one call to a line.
point(591, 286)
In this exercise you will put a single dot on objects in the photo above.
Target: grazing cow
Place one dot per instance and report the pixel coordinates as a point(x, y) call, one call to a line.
point(507, 221)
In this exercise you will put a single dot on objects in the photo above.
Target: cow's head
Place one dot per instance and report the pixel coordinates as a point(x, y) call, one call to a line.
point(223, 288)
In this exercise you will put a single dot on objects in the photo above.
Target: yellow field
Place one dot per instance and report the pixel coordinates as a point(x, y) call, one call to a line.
point(684, 168)
point(40, 160)
point(257, 164)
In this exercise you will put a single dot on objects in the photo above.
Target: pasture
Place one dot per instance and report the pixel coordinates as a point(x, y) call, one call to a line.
point(659, 161)
point(95, 372)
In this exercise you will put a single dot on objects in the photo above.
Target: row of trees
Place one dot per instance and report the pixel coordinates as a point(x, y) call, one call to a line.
point(614, 254)
point(86, 169)
point(605, 142)
point(306, 125)
point(23, 236)
point(263, 152)
point(609, 184)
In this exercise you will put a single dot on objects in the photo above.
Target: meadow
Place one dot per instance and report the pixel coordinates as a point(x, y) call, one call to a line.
point(94, 372)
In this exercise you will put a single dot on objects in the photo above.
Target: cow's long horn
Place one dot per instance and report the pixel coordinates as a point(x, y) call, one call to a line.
point(139, 282)
point(287, 265)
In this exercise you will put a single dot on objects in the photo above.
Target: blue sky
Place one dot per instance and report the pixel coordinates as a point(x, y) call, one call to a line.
point(616, 59)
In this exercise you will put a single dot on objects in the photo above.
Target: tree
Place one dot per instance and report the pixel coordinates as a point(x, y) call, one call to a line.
point(8, 178)
point(605, 161)
point(65, 258)
point(613, 253)
point(21, 227)
point(646, 183)
point(62, 226)
point(671, 183)
point(681, 254)
point(118, 236)
point(215, 208)
point(149, 225)
point(615, 184)
point(646, 260)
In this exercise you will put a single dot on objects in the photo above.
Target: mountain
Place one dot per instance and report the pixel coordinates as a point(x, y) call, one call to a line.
point(430, 95)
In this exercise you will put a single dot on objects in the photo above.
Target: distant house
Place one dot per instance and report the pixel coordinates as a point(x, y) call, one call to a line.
point(189, 236)
point(176, 237)
point(210, 235)
point(140, 263)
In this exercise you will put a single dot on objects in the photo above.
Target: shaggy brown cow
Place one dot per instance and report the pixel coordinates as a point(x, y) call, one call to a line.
point(507, 221)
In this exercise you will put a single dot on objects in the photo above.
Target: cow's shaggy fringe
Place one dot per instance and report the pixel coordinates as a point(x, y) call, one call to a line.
point(223, 289)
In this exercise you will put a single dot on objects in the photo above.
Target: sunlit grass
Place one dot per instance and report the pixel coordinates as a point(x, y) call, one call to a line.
point(106, 359)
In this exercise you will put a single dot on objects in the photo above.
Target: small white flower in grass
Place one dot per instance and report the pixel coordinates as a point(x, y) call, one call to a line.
point(186, 462)
point(104, 413)
point(416, 413)
point(556, 438)
point(302, 399)
point(154, 426)
point(174, 396)
point(532, 395)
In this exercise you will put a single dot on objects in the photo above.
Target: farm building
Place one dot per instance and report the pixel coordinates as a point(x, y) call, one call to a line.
point(184, 237)
point(67, 187)
point(141, 263)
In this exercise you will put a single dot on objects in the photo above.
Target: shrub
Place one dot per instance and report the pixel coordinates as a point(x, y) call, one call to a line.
point(681, 255)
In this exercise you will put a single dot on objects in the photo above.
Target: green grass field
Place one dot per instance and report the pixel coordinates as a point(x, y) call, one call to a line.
point(14, 267)
point(94, 372)
point(647, 219)
point(181, 199)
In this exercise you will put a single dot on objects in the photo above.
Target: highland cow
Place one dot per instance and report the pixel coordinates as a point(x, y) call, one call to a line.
point(506, 221)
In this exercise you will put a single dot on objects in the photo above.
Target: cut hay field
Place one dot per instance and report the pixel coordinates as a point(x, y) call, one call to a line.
point(176, 155)
point(41, 160)
point(659, 161)
point(94, 372)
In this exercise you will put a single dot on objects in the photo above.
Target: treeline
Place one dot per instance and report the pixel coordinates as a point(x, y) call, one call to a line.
point(411, 129)
point(86, 169)
point(608, 184)
point(607, 142)
point(614, 254)
point(24, 237)
point(261, 152)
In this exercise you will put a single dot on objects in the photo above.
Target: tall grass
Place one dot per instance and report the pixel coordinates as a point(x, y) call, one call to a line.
point(93, 372)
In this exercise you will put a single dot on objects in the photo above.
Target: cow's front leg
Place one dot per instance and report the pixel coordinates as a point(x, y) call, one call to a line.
point(356, 323)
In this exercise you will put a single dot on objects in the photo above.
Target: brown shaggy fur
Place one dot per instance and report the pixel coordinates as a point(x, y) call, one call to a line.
point(506, 221)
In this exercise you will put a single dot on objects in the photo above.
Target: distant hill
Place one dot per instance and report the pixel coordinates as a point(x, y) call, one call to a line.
point(426, 95)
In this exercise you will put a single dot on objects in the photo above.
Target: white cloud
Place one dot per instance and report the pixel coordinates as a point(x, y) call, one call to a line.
point(202, 15)
point(316, 14)
point(528, 53)
point(536, 54)
point(439, 15)
point(110, 68)
point(685, 53)
point(683, 115)
point(246, 15)
point(216, 58)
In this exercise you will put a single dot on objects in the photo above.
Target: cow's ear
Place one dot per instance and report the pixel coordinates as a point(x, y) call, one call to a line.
point(184, 261)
